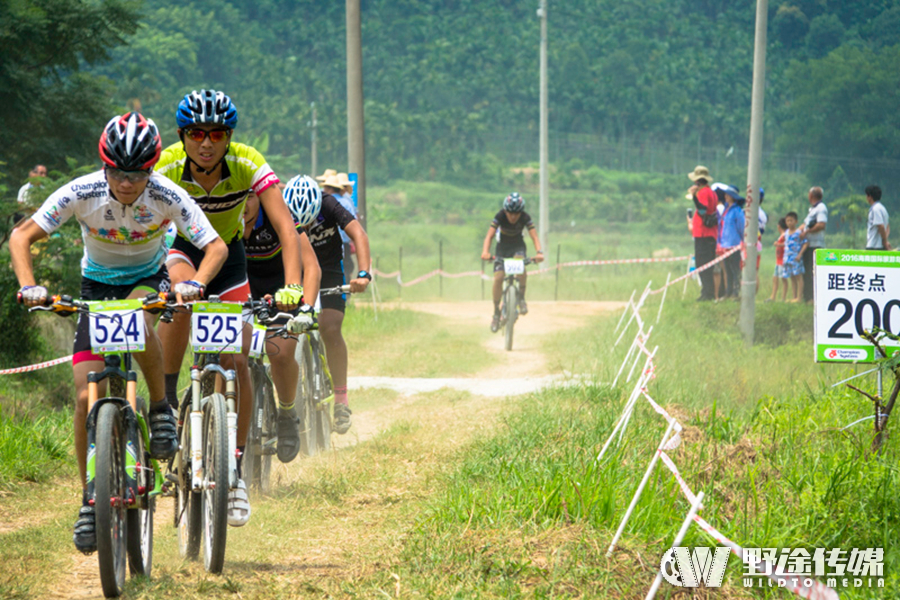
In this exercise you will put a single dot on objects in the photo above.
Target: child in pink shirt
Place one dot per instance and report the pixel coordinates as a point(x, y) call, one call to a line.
point(779, 263)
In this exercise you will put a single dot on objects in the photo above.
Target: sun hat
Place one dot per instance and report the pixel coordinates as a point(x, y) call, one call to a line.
point(333, 181)
point(700, 172)
point(328, 173)
point(345, 180)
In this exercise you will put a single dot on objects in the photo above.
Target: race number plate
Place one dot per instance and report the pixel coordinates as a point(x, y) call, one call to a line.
point(513, 266)
point(119, 329)
point(258, 341)
point(855, 290)
point(216, 327)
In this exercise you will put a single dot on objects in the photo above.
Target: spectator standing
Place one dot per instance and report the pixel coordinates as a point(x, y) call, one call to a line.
point(878, 228)
point(813, 231)
point(704, 227)
point(731, 234)
point(795, 247)
point(346, 200)
point(35, 177)
point(779, 263)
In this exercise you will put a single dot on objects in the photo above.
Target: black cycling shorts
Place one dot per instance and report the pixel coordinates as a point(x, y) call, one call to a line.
point(95, 290)
point(332, 279)
point(508, 251)
point(231, 281)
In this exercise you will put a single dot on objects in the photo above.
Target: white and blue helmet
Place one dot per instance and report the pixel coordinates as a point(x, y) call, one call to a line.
point(206, 106)
point(304, 198)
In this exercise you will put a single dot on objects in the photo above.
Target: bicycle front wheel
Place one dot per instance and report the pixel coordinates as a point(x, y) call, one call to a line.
point(140, 518)
point(305, 399)
point(257, 461)
point(324, 394)
point(109, 506)
point(511, 313)
point(215, 488)
point(187, 515)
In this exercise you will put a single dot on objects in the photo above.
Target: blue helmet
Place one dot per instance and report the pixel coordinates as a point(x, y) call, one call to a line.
point(303, 197)
point(514, 203)
point(206, 106)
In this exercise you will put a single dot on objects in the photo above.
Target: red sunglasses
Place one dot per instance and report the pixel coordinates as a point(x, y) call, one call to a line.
point(198, 135)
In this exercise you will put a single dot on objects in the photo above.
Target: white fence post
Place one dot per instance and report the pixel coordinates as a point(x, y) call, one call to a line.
point(640, 489)
point(697, 505)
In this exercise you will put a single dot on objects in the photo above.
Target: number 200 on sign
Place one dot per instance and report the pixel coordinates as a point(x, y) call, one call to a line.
point(865, 315)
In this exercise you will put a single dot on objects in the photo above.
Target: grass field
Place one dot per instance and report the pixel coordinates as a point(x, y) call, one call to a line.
point(458, 497)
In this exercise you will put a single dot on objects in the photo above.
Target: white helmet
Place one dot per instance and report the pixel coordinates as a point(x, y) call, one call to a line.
point(304, 198)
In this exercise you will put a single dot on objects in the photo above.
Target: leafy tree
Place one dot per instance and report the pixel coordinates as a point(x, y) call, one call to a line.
point(49, 108)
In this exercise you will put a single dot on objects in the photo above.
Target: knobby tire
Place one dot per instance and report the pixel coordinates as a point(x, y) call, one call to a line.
point(140, 520)
point(215, 500)
point(111, 522)
point(188, 506)
point(305, 399)
point(257, 461)
point(512, 312)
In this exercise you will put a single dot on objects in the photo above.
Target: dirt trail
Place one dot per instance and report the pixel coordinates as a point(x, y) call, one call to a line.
point(448, 419)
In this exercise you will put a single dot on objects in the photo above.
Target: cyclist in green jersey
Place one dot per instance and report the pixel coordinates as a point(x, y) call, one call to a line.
point(219, 174)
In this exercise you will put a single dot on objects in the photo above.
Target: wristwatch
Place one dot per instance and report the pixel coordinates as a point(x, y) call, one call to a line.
point(364, 275)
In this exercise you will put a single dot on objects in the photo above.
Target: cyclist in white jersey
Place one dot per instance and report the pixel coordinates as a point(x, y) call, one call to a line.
point(124, 211)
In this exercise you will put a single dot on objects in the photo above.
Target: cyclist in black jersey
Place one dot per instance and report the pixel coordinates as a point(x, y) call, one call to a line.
point(324, 234)
point(265, 270)
point(510, 222)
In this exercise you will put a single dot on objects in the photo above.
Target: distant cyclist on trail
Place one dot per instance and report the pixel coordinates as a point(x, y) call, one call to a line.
point(124, 211)
point(511, 222)
point(324, 235)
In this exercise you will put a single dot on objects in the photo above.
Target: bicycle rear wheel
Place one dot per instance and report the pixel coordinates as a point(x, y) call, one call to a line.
point(215, 490)
point(109, 495)
point(188, 506)
point(305, 400)
point(512, 313)
point(257, 461)
point(140, 518)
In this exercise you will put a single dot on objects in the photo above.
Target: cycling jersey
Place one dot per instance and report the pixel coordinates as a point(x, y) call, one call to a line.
point(511, 231)
point(265, 267)
point(244, 169)
point(124, 243)
point(324, 234)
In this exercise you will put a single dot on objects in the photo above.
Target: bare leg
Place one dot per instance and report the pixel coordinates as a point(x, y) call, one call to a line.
point(497, 290)
point(285, 370)
point(80, 372)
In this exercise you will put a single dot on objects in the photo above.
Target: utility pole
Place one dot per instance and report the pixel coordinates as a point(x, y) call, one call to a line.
point(544, 221)
point(356, 134)
point(749, 278)
point(312, 124)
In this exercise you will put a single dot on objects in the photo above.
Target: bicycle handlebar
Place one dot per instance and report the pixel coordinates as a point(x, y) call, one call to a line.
point(334, 291)
point(65, 304)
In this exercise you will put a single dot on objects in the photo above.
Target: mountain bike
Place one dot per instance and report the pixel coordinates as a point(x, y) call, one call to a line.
point(205, 467)
point(263, 434)
point(509, 306)
point(315, 388)
point(122, 480)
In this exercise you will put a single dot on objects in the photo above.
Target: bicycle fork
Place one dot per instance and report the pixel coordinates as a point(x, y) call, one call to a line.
point(198, 479)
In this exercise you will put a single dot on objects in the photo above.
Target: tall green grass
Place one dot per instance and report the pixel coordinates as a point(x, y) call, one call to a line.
point(34, 450)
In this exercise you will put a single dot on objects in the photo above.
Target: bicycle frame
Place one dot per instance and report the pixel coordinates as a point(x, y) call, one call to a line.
point(135, 424)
